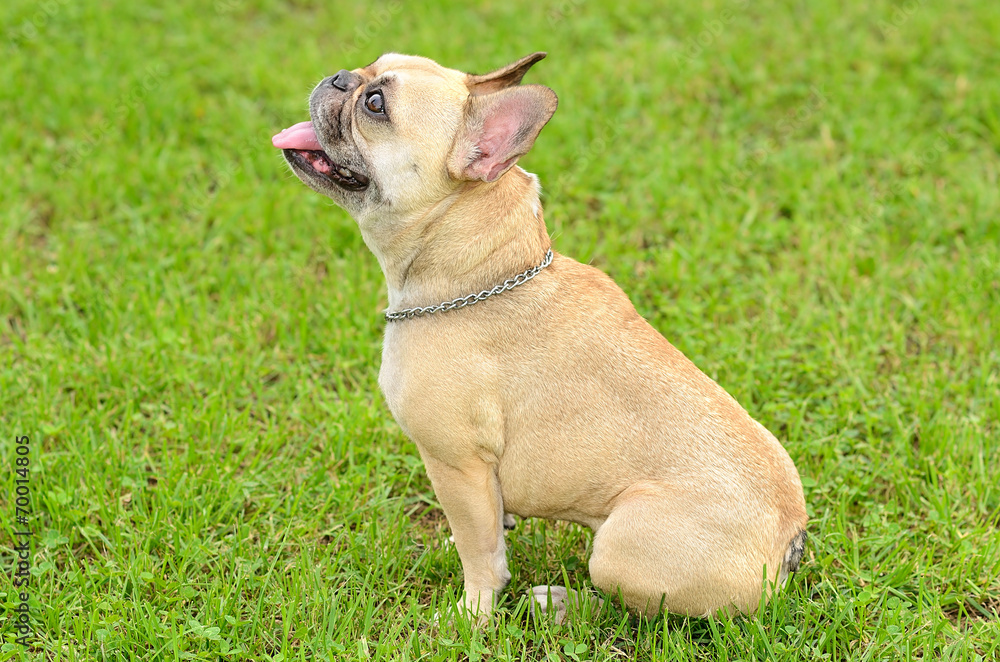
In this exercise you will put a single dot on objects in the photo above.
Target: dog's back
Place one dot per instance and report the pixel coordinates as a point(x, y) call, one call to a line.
point(597, 402)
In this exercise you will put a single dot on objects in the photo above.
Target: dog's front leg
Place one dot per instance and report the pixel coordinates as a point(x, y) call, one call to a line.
point(470, 496)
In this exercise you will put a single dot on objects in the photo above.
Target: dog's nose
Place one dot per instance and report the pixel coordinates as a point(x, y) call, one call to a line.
point(345, 80)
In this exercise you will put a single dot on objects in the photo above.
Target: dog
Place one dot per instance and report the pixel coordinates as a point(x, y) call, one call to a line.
point(528, 381)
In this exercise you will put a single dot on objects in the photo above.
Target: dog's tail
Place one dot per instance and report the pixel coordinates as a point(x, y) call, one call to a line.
point(793, 555)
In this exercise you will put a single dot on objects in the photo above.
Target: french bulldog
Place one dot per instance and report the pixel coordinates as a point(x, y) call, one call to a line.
point(528, 381)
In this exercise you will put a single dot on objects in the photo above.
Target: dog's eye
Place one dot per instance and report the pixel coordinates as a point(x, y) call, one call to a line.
point(375, 103)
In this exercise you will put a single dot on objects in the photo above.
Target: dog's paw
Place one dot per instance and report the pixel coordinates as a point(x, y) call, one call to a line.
point(470, 611)
point(509, 522)
point(557, 602)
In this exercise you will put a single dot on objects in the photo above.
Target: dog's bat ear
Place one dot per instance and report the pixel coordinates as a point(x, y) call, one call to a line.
point(503, 77)
point(499, 129)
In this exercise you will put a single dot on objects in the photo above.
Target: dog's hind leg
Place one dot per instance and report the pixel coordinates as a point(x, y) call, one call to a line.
point(684, 550)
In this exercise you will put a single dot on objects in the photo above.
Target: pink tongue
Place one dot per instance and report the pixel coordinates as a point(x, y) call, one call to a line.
point(299, 136)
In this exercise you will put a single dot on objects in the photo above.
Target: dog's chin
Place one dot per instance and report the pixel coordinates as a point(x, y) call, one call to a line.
point(316, 168)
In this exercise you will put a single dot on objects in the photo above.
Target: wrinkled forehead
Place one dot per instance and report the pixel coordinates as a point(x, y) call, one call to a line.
point(414, 70)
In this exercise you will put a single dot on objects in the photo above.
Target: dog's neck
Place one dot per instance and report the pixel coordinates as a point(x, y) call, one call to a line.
point(475, 238)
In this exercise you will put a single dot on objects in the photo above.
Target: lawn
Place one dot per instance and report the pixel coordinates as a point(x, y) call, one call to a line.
point(802, 196)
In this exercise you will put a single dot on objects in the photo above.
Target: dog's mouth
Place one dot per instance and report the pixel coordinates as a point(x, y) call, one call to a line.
point(302, 148)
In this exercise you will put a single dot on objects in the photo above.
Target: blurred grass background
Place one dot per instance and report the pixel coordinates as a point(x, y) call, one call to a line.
point(802, 196)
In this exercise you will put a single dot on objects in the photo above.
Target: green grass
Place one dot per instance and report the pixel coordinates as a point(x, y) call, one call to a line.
point(802, 196)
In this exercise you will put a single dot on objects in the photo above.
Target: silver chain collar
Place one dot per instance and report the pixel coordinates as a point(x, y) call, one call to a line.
point(469, 299)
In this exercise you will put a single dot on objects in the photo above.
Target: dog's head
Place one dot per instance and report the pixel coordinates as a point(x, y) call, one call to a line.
point(402, 133)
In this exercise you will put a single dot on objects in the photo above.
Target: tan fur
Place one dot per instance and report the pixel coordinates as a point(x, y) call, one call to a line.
point(555, 399)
